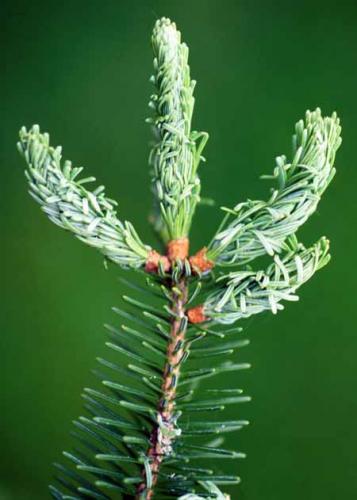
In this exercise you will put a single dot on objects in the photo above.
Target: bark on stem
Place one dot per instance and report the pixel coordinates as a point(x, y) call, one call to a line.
point(163, 434)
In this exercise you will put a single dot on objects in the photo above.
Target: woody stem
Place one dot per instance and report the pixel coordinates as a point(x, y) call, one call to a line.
point(161, 441)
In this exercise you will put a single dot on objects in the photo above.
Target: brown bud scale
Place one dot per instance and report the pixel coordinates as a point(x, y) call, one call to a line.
point(199, 261)
point(153, 260)
point(178, 249)
point(196, 315)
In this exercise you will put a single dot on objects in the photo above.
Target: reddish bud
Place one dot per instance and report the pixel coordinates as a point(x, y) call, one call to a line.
point(177, 249)
point(199, 261)
point(152, 262)
point(196, 315)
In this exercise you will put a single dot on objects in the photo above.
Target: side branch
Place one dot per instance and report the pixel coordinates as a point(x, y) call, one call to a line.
point(256, 228)
point(89, 215)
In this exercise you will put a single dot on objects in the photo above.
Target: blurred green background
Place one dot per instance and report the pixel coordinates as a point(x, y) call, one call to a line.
point(81, 70)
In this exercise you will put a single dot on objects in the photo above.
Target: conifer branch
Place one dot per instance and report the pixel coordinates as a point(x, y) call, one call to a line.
point(89, 215)
point(241, 294)
point(149, 430)
point(256, 228)
point(177, 151)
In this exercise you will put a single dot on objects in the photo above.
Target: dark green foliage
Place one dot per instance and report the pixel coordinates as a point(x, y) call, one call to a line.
point(114, 436)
